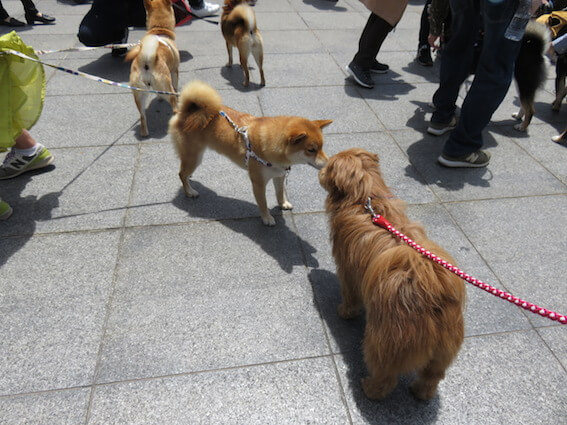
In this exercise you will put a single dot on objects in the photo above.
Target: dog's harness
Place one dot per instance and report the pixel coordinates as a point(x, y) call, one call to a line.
point(243, 131)
point(379, 220)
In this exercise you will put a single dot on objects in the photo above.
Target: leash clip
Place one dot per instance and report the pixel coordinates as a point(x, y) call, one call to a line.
point(368, 207)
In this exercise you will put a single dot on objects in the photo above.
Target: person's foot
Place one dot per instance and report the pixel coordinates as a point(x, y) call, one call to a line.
point(438, 129)
point(5, 210)
point(39, 17)
point(379, 68)
point(360, 75)
point(472, 160)
point(424, 56)
point(15, 164)
point(208, 9)
point(11, 22)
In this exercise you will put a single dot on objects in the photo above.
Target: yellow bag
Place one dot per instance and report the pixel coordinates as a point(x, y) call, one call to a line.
point(22, 90)
point(555, 21)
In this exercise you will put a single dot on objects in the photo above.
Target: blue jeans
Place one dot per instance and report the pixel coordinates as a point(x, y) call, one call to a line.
point(492, 77)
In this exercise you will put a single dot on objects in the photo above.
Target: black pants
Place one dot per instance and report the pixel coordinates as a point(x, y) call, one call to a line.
point(29, 9)
point(108, 20)
point(371, 39)
point(424, 25)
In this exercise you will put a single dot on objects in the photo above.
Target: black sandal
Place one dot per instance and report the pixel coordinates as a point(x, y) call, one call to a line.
point(12, 23)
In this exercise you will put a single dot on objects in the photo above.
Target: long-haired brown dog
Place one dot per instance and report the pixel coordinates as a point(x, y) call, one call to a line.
point(155, 62)
point(238, 26)
point(413, 306)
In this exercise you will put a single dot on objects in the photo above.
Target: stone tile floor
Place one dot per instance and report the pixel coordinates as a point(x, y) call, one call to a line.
point(123, 302)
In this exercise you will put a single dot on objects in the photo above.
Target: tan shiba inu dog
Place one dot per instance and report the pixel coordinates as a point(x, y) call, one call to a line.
point(238, 26)
point(268, 147)
point(155, 62)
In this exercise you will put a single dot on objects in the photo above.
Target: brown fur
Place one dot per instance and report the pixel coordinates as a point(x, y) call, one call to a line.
point(283, 141)
point(238, 26)
point(413, 306)
point(155, 62)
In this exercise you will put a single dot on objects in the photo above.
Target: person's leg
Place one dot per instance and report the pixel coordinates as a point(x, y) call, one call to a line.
point(25, 155)
point(371, 39)
point(423, 49)
point(492, 80)
point(29, 7)
point(456, 59)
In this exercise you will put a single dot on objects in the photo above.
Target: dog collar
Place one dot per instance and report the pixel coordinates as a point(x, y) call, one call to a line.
point(243, 131)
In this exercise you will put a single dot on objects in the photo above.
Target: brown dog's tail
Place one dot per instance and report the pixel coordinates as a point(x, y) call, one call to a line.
point(199, 103)
point(240, 19)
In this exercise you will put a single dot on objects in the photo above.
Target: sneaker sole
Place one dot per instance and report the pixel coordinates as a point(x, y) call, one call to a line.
point(39, 164)
point(459, 164)
point(439, 131)
point(352, 74)
point(376, 71)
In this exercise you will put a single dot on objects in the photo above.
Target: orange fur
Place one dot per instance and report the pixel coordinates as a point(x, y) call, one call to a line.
point(239, 29)
point(413, 306)
point(283, 141)
point(155, 62)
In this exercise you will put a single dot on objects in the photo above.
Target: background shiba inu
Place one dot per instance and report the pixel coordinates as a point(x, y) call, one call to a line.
point(155, 62)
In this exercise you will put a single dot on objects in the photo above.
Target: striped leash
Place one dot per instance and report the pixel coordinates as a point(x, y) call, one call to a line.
point(379, 220)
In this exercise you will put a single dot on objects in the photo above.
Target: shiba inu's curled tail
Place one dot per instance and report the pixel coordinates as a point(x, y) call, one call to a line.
point(199, 103)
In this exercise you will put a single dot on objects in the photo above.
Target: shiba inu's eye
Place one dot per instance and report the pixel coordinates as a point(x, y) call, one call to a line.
point(312, 150)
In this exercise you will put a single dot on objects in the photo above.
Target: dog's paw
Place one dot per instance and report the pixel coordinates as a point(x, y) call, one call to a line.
point(286, 206)
point(517, 115)
point(555, 106)
point(558, 138)
point(375, 390)
point(191, 193)
point(520, 127)
point(423, 391)
point(269, 220)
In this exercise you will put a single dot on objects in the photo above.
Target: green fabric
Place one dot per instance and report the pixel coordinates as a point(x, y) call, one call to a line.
point(22, 90)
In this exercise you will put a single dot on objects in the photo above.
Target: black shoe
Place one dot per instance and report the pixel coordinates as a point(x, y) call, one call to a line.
point(424, 56)
point(39, 17)
point(379, 68)
point(360, 75)
point(12, 23)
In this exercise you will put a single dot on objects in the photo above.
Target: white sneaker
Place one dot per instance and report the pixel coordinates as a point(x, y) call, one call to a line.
point(208, 9)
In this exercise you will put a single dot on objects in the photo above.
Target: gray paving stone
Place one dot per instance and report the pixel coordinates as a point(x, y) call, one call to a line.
point(54, 292)
point(556, 338)
point(494, 380)
point(86, 188)
point(511, 172)
point(294, 42)
point(303, 391)
point(281, 21)
point(512, 245)
point(199, 304)
point(349, 111)
point(97, 119)
point(333, 19)
point(54, 408)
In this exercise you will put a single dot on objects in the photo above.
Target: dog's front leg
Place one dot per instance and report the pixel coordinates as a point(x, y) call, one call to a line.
point(259, 188)
point(279, 185)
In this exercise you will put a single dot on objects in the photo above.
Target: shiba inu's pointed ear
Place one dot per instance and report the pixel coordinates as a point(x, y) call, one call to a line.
point(322, 123)
point(296, 138)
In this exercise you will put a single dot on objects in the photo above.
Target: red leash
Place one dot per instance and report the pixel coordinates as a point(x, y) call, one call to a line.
point(378, 220)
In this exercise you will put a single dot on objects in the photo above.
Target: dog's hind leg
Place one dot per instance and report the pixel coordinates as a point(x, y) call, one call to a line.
point(425, 385)
point(244, 52)
point(190, 159)
point(258, 53)
point(528, 113)
point(560, 90)
point(560, 137)
point(140, 99)
point(382, 378)
point(229, 50)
